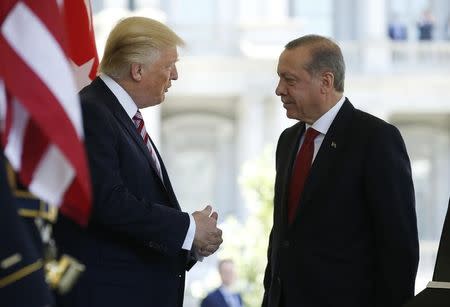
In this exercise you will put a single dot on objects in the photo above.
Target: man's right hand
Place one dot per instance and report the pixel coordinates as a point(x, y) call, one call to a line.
point(207, 236)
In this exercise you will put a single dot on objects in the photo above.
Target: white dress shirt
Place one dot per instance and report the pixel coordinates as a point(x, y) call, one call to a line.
point(322, 125)
point(230, 297)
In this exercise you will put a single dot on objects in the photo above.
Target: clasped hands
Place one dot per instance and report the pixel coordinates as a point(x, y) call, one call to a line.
point(207, 236)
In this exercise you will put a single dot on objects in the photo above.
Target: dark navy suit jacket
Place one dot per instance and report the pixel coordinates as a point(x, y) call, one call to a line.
point(22, 281)
point(216, 299)
point(132, 246)
point(354, 239)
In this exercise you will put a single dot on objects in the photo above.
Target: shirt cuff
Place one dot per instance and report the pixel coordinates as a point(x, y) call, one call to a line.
point(189, 240)
point(196, 256)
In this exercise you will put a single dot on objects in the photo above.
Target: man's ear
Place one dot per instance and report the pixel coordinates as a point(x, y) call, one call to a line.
point(327, 82)
point(136, 71)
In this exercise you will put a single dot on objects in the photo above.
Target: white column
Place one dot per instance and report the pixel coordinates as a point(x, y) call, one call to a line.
point(152, 119)
point(250, 115)
point(227, 29)
point(277, 9)
point(250, 11)
point(148, 3)
point(256, 10)
point(441, 157)
point(440, 10)
point(372, 36)
point(249, 130)
point(344, 23)
point(279, 121)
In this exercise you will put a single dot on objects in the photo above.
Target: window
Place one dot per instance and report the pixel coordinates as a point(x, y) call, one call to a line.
point(193, 12)
point(315, 15)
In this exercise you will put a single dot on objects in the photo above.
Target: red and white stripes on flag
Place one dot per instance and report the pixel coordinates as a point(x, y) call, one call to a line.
point(40, 119)
point(81, 41)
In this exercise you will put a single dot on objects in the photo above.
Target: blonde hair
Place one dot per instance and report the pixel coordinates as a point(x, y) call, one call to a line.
point(135, 40)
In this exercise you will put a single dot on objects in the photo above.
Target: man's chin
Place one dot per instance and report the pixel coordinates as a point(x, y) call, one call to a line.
point(154, 102)
point(160, 99)
point(290, 114)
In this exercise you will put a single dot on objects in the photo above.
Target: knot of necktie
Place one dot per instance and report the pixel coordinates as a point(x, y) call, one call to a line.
point(138, 115)
point(310, 135)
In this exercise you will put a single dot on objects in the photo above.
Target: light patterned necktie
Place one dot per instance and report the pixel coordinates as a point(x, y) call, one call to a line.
point(140, 126)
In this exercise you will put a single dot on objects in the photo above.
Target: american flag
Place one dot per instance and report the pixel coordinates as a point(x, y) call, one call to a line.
point(40, 114)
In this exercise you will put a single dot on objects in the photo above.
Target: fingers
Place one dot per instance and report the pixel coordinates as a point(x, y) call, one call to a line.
point(207, 210)
point(211, 244)
point(208, 250)
point(204, 252)
point(215, 238)
point(214, 215)
point(219, 234)
point(208, 237)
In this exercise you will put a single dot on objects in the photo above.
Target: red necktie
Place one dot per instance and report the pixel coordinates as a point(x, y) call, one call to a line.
point(300, 173)
point(139, 123)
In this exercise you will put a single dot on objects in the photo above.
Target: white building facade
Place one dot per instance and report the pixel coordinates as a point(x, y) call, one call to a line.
point(223, 110)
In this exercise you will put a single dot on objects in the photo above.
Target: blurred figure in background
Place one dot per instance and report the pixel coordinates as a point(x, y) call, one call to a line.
point(224, 296)
point(425, 25)
point(397, 29)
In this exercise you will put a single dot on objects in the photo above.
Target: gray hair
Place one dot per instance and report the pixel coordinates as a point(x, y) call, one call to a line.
point(325, 56)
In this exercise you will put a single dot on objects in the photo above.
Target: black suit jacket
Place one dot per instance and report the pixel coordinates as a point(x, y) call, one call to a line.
point(354, 240)
point(438, 297)
point(216, 299)
point(132, 246)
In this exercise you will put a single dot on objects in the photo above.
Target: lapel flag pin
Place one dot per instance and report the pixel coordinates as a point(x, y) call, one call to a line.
point(333, 144)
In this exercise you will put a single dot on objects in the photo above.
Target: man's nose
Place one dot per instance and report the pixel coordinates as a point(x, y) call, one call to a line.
point(174, 73)
point(279, 90)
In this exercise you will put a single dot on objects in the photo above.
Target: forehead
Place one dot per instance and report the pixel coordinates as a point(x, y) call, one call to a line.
point(293, 59)
point(226, 265)
point(166, 55)
point(170, 53)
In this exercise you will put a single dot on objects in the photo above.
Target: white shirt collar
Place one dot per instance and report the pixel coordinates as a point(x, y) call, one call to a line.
point(225, 290)
point(324, 122)
point(125, 100)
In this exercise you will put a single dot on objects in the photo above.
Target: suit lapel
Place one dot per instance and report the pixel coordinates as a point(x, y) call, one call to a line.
point(117, 110)
point(333, 146)
point(288, 153)
point(166, 183)
point(220, 296)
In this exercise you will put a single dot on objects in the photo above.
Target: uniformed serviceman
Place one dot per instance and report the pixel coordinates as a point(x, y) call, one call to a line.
point(22, 281)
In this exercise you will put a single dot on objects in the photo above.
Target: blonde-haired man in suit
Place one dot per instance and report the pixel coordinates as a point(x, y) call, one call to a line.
point(139, 242)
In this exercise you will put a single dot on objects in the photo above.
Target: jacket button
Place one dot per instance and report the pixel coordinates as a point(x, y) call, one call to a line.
point(286, 243)
point(179, 275)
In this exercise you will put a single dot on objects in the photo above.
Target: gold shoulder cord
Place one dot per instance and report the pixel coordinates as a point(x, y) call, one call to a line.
point(60, 274)
point(26, 270)
point(16, 258)
point(45, 211)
